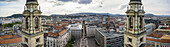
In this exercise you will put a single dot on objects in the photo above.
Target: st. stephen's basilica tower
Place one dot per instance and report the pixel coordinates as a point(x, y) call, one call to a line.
point(135, 34)
point(32, 32)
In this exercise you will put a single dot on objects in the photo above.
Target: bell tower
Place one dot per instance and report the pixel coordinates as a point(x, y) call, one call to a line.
point(135, 34)
point(32, 32)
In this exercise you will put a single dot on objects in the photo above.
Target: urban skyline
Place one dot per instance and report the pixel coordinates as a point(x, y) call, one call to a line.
point(48, 7)
point(133, 29)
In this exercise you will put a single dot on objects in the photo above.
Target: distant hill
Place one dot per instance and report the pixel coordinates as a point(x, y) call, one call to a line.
point(90, 14)
point(56, 15)
point(16, 16)
point(93, 14)
point(21, 15)
point(44, 16)
point(149, 15)
point(97, 14)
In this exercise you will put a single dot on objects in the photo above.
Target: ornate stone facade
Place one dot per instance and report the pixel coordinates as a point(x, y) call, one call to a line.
point(32, 32)
point(135, 34)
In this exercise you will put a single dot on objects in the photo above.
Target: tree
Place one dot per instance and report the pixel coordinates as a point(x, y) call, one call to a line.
point(9, 25)
point(69, 45)
point(18, 23)
point(48, 29)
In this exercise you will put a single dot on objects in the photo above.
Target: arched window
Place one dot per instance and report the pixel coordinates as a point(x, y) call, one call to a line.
point(27, 21)
point(131, 22)
point(142, 45)
point(141, 22)
point(36, 22)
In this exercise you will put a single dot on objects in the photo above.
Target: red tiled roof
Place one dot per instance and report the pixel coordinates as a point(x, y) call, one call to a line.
point(58, 27)
point(167, 28)
point(155, 35)
point(65, 22)
point(157, 40)
point(166, 32)
point(159, 34)
point(165, 40)
point(62, 32)
point(121, 24)
point(56, 34)
point(49, 24)
point(53, 34)
point(7, 39)
point(153, 39)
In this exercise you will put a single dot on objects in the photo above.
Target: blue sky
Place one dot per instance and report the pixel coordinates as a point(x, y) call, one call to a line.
point(48, 7)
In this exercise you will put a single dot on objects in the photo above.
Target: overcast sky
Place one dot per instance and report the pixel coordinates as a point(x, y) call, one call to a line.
point(48, 7)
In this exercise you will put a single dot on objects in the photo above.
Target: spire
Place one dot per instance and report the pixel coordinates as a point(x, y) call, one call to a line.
point(135, 2)
point(31, 0)
point(28, 2)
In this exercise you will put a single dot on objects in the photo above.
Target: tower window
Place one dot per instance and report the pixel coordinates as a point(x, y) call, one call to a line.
point(128, 45)
point(36, 22)
point(38, 40)
point(130, 40)
point(141, 39)
point(26, 40)
point(27, 21)
point(131, 22)
point(142, 45)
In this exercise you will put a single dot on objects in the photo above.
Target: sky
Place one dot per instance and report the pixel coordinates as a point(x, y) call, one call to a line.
point(48, 7)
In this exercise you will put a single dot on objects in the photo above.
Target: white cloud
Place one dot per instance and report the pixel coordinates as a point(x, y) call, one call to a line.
point(48, 7)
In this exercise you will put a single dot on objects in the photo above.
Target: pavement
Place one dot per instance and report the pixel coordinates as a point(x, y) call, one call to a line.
point(87, 42)
point(77, 43)
point(83, 42)
point(91, 42)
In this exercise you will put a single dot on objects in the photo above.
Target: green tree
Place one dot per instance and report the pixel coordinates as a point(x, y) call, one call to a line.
point(18, 23)
point(48, 29)
point(69, 45)
point(9, 25)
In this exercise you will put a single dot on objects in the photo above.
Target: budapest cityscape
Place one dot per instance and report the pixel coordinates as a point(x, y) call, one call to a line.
point(84, 23)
